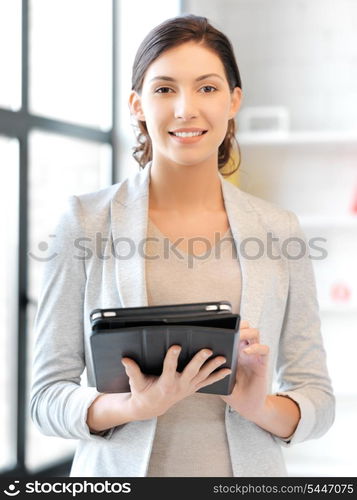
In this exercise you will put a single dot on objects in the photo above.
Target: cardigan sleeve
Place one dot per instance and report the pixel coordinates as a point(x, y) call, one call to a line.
point(301, 368)
point(58, 402)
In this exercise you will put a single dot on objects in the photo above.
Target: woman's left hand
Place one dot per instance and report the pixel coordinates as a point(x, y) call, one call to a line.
point(250, 390)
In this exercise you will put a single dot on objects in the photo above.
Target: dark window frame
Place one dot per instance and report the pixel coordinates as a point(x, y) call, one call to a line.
point(19, 124)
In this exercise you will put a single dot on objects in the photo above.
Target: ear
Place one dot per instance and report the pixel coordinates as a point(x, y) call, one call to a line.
point(236, 99)
point(135, 105)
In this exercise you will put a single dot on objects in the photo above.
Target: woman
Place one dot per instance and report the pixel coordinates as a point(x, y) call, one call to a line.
point(186, 92)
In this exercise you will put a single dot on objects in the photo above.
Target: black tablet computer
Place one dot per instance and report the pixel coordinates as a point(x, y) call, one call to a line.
point(146, 333)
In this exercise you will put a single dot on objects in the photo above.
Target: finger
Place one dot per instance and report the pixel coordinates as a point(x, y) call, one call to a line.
point(134, 373)
point(243, 324)
point(130, 365)
point(208, 368)
point(214, 377)
point(170, 361)
point(193, 367)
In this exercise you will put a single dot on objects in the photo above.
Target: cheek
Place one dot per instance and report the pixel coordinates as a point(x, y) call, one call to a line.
point(219, 113)
point(157, 119)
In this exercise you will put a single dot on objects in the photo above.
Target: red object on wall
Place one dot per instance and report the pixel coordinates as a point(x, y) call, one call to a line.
point(340, 292)
point(354, 202)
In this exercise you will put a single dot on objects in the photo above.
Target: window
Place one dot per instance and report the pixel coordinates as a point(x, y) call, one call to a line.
point(9, 199)
point(10, 54)
point(71, 75)
point(56, 139)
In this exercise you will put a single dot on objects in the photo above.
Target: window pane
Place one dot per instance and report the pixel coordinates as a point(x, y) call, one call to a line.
point(10, 54)
point(59, 167)
point(9, 199)
point(71, 60)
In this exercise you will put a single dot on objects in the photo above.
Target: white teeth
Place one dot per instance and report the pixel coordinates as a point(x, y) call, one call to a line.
point(187, 134)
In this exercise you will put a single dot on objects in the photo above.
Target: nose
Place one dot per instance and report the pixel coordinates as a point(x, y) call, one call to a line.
point(185, 106)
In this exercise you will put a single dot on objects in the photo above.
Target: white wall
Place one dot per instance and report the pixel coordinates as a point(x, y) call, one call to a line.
point(297, 53)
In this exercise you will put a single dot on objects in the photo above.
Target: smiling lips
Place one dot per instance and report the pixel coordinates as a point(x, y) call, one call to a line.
point(187, 135)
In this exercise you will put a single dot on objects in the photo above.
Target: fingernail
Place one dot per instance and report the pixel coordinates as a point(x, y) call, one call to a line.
point(248, 350)
point(176, 350)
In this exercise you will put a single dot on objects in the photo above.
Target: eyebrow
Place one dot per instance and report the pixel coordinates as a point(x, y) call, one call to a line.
point(170, 79)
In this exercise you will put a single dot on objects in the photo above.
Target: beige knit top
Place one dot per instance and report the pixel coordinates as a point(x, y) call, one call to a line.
point(179, 277)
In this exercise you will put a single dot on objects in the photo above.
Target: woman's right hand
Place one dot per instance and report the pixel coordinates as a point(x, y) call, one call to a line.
point(152, 396)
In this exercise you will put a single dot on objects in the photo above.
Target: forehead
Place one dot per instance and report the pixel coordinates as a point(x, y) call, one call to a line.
point(187, 61)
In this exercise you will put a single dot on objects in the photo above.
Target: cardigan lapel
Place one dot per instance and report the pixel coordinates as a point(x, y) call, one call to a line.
point(250, 238)
point(129, 218)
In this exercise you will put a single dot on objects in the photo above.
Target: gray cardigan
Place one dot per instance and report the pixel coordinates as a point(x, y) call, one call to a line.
point(96, 262)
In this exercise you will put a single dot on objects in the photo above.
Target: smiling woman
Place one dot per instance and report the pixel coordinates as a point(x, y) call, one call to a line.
point(193, 57)
point(190, 105)
point(186, 92)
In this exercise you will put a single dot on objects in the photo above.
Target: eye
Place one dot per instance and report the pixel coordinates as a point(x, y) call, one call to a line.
point(209, 87)
point(162, 88)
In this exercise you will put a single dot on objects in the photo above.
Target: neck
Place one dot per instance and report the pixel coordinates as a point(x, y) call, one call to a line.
point(185, 188)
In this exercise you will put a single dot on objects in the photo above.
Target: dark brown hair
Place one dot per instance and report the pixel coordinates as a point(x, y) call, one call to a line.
point(172, 33)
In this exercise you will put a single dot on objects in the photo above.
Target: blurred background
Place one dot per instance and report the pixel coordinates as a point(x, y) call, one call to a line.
point(65, 128)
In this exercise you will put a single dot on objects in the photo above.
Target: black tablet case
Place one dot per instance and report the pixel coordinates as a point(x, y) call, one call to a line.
point(145, 334)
